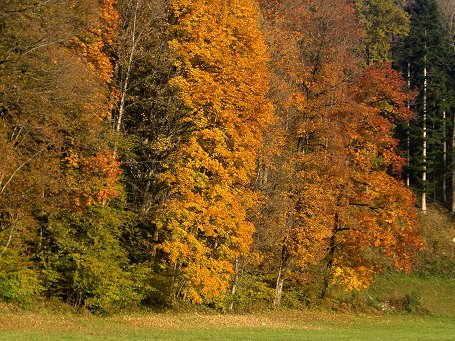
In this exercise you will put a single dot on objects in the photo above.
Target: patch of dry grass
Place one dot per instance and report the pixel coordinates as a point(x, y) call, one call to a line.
point(77, 323)
point(279, 325)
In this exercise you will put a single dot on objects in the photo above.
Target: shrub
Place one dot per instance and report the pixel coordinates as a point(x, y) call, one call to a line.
point(18, 284)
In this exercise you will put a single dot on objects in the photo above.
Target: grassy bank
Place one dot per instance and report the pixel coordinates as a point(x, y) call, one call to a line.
point(425, 295)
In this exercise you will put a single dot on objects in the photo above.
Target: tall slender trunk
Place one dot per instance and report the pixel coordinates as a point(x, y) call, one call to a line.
point(424, 137)
point(330, 258)
point(444, 158)
point(125, 80)
point(408, 133)
point(155, 239)
point(175, 287)
point(235, 282)
point(281, 275)
point(453, 164)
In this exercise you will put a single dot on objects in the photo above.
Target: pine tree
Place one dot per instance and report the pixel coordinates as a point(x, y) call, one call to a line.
point(427, 51)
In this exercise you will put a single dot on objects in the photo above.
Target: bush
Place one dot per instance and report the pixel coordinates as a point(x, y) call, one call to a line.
point(18, 284)
point(412, 301)
point(84, 264)
point(253, 292)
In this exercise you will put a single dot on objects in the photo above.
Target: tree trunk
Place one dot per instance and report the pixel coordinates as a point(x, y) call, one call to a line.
point(125, 80)
point(235, 283)
point(155, 239)
point(281, 276)
point(330, 257)
point(408, 134)
point(424, 137)
point(453, 164)
point(444, 158)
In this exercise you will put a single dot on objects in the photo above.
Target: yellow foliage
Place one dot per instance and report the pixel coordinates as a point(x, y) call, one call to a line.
point(222, 79)
point(352, 278)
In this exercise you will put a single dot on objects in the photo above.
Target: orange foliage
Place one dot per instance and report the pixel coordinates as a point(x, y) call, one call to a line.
point(345, 208)
point(222, 80)
point(111, 20)
point(381, 222)
point(93, 180)
point(313, 58)
point(93, 44)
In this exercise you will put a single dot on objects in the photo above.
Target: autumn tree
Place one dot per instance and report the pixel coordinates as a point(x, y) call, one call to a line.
point(166, 150)
point(309, 50)
point(375, 202)
point(329, 124)
point(58, 174)
point(198, 117)
point(378, 229)
point(147, 118)
point(36, 78)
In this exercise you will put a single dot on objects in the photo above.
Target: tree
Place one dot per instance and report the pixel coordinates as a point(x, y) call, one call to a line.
point(382, 21)
point(36, 75)
point(314, 123)
point(147, 116)
point(447, 9)
point(378, 227)
point(153, 151)
point(339, 154)
point(210, 143)
point(58, 177)
point(427, 51)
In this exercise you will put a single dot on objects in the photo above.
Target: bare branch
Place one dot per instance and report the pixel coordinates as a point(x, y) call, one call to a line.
point(19, 168)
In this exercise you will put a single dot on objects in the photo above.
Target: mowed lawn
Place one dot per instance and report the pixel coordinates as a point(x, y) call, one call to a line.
point(289, 325)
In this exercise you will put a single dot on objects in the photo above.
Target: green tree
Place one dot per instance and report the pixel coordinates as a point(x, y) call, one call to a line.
point(382, 21)
point(428, 53)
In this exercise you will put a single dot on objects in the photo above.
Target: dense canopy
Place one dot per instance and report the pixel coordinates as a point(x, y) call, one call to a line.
point(218, 152)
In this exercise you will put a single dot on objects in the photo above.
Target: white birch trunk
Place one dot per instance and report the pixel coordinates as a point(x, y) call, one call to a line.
point(279, 287)
point(129, 64)
point(281, 276)
point(424, 137)
point(408, 134)
point(235, 283)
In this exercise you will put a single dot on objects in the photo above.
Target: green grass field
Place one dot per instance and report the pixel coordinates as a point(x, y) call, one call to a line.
point(295, 325)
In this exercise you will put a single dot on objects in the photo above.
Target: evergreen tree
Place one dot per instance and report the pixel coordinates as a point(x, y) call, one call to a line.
point(427, 50)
